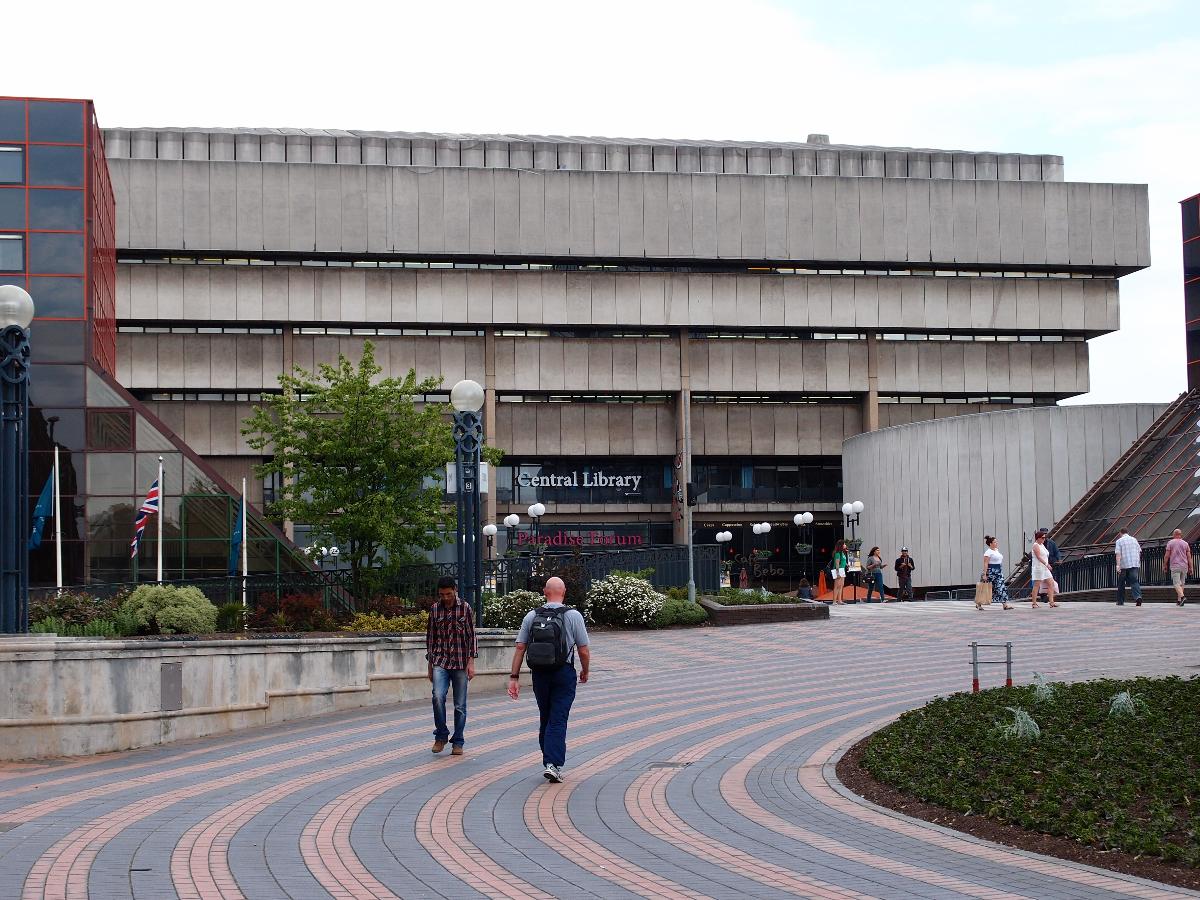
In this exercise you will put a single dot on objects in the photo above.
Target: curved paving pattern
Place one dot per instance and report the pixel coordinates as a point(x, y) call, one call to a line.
point(700, 764)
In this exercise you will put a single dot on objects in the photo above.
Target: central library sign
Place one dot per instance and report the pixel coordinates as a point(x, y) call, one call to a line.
point(596, 479)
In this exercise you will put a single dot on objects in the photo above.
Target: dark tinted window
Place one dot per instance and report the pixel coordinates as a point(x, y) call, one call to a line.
point(56, 210)
point(56, 254)
point(57, 298)
point(56, 165)
point(53, 385)
point(12, 165)
point(12, 208)
point(12, 253)
point(18, 280)
point(60, 123)
point(48, 427)
point(12, 120)
point(57, 341)
point(110, 429)
point(109, 473)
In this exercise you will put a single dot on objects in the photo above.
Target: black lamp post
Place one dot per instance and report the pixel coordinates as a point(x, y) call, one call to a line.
point(852, 511)
point(536, 511)
point(805, 548)
point(467, 399)
point(16, 313)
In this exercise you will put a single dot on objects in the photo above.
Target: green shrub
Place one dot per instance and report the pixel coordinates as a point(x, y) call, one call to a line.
point(509, 610)
point(643, 574)
point(1120, 782)
point(231, 617)
point(104, 628)
point(73, 607)
point(748, 597)
point(167, 609)
point(372, 622)
point(676, 611)
point(677, 593)
point(389, 606)
point(624, 600)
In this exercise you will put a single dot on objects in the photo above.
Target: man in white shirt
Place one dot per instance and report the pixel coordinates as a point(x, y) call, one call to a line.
point(1129, 561)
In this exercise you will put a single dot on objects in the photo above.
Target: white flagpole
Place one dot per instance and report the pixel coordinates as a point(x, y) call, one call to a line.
point(245, 540)
point(57, 522)
point(161, 506)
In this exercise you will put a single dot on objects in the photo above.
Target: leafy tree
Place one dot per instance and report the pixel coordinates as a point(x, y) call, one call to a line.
point(358, 459)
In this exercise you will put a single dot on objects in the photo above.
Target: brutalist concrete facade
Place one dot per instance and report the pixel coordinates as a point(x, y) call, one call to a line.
point(788, 295)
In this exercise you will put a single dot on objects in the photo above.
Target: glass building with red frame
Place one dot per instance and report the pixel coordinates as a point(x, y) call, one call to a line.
point(1191, 285)
point(57, 238)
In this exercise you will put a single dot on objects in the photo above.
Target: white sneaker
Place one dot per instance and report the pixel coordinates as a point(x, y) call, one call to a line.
point(553, 773)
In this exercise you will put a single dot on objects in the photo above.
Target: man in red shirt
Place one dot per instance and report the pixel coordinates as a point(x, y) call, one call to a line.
point(451, 648)
point(1179, 562)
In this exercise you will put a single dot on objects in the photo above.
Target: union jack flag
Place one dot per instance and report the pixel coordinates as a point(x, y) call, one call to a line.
point(147, 509)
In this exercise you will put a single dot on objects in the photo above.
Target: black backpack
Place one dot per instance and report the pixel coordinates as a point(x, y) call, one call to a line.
point(547, 647)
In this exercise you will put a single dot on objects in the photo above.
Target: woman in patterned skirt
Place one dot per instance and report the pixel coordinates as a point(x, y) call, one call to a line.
point(993, 571)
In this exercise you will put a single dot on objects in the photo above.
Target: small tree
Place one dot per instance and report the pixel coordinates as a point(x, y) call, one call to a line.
point(357, 459)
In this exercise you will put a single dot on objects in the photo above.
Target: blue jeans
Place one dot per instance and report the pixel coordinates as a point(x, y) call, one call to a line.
point(875, 583)
point(441, 686)
point(555, 692)
point(1132, 578)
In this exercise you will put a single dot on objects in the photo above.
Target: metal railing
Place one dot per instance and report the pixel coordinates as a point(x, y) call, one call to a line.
point(419, 582)
point(1093, 568)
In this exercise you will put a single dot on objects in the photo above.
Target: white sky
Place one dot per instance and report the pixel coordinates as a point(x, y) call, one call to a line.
point(1111, 85)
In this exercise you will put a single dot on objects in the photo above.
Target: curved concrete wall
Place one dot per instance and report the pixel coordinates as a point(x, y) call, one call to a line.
point(937, 487)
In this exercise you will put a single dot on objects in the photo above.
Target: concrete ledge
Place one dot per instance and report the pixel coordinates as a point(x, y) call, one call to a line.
point(78, 696)
point(759, 613)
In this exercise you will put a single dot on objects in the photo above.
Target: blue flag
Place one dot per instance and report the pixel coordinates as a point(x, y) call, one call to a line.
point(235, 541)
point(43, 511)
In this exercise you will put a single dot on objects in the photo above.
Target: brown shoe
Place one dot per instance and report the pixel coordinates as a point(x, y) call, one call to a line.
point(439, 746)
point(457, 751)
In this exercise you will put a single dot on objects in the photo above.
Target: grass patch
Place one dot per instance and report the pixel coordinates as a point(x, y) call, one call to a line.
point(1112, 772)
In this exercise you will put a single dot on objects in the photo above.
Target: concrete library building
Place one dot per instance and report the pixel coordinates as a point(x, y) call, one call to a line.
point(611, 295)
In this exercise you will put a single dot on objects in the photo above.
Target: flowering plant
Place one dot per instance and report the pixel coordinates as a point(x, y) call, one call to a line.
point(623, 600)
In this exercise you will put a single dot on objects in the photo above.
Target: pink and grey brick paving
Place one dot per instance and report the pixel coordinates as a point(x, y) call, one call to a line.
point(700, 764)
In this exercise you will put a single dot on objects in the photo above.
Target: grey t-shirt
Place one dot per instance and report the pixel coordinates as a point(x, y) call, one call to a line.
point(573, 624)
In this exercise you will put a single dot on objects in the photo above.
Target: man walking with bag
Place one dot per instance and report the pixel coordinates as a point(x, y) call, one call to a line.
point(451, 649)
point(549, 639)
point(904, 569)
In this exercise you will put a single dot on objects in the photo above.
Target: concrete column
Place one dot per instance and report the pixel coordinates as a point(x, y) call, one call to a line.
point(683, 418)
point(488, 513)
point(289, 527)
point(870, 416)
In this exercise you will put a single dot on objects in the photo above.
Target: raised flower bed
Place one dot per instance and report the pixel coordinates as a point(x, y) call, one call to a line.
point(735, 607)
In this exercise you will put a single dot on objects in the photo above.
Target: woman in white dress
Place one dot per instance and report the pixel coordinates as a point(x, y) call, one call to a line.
point(1041, 576)
point(993, 571)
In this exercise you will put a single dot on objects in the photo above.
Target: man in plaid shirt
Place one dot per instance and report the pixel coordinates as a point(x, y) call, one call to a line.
point(451, 648)
point(1129, 562)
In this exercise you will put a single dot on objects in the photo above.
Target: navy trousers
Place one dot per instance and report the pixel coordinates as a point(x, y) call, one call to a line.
point(555, 692)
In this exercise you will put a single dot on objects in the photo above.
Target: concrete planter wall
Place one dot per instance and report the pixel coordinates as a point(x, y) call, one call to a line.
point(76, 696)
point(758, 613)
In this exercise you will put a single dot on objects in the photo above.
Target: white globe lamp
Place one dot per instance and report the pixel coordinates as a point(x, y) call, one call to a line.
point(467, 396)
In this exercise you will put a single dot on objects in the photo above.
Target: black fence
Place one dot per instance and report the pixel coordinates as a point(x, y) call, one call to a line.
point(1090, 569)
point(419, 583)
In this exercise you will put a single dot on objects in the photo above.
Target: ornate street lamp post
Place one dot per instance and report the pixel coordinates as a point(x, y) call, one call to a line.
point(536, 511)
point(852, 511)
point(723, 538)
point(467, 399)
point(16, 313)
point(805, 548)
point(489, 532)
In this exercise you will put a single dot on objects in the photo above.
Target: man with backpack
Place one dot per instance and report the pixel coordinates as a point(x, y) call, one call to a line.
point(549, 638)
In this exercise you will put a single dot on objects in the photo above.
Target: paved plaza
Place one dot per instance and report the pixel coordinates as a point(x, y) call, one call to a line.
point(700, 764)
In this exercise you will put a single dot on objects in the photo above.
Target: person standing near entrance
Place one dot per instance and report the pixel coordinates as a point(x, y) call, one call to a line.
point(904, 568)
point(550, 637)
point(875, 566)
point(451, 649)
point(1179, 562)
point(838, 570)
point(1129, 563)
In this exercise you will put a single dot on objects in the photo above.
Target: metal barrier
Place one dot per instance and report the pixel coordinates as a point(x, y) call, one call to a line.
point(939, 595)
point(976, 662)
point(963, 594)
